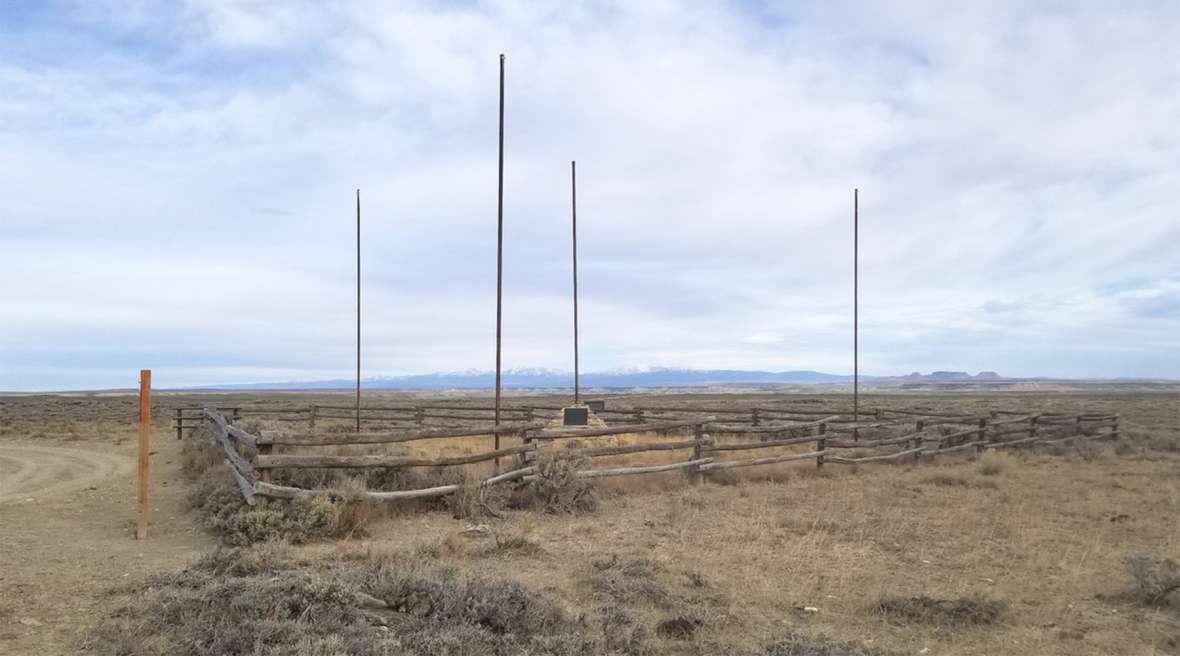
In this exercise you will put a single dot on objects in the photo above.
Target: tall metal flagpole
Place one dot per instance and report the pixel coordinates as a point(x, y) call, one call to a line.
point(358, 310)
point(855, 307)
point(499, 256)
point(574, 207)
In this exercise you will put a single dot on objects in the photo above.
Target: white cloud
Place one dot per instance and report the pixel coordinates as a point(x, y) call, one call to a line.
point(1015, 161)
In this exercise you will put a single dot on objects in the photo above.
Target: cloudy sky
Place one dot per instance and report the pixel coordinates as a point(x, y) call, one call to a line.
point(177, 180)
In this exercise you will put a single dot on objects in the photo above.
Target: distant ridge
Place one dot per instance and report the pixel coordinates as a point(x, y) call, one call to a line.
point(538, 378)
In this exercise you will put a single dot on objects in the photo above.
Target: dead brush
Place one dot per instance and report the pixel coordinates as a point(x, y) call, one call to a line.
point(557, 488)
point(1086, 450)
point(199, 453)
point(629, 580)
point(355, 510)
point(1156, 578)
point(801, 644)
point(237, 604)
point(993, 463)
point(510, 543)
point(967, 611)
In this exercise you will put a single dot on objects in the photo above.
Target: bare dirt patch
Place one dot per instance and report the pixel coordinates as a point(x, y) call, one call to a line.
point(67, 534)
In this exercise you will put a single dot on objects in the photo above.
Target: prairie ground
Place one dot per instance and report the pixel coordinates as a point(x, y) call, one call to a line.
point(1011, 554)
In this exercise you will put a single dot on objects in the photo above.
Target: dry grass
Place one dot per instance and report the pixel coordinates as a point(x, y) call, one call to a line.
point(973, 610)
point(993, 463)
point(1048, 534)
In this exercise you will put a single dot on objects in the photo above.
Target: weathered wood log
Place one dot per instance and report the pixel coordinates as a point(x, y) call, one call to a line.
point(245, 486)
point(864, 444)
point(891, 456)
point(1014, 420)
point(951, 449)
point(285, 492)
point(231, 430)
point(1023, 440)
point(770, 460)
point(243, 466)
point(284, 461)
point(961, 420)
point(1059, 440)
point(921, 413)
point(629, 471)
point(1102, 435)
point(598, 451)
point(691, 410)
point(743, 446)
point(334, 439)
point(766, 429)
point(650, 427)
point(951, 436)
point(852, 428)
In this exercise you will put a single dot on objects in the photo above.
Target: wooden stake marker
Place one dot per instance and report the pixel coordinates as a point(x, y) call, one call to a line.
point(145, 425)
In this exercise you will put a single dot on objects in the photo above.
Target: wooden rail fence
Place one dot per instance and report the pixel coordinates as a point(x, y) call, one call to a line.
point(816, 435)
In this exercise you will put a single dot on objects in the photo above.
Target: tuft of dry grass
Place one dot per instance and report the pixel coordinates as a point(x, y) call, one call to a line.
point(355, 511)
point(993, 463)
point(199, 453)
point(1156, 578)
point(967, 611)
point(557, 488)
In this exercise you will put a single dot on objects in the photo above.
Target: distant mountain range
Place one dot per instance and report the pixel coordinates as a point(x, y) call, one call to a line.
point(618, 378)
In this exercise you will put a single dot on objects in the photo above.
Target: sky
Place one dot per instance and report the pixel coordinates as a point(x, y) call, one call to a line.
point(178, 179)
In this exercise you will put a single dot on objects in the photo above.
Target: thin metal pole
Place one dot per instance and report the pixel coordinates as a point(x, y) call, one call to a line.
point(358, 310)
point(856, 307)
point(499, 254)
point(574, 206)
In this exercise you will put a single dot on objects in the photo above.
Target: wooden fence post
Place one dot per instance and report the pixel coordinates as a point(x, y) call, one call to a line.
point(754, 418)
point(179, 415)
point(1114, 428)
point(821, 444)
point(237, 415)
point(698, 433)
point(1032, 426)
point(918, 428)
point(1077, 428)
point(982, 437)
point(311, 416)
point(877, 414)
point(145, 426)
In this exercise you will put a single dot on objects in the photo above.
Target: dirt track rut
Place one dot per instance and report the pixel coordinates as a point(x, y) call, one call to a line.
point(41, 471)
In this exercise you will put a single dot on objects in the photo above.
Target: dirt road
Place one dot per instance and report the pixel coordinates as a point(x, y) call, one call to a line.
point(67, 534)
point(50, 471)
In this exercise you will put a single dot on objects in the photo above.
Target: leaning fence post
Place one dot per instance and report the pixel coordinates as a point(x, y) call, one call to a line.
point(821, 444)
point(145, 426)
